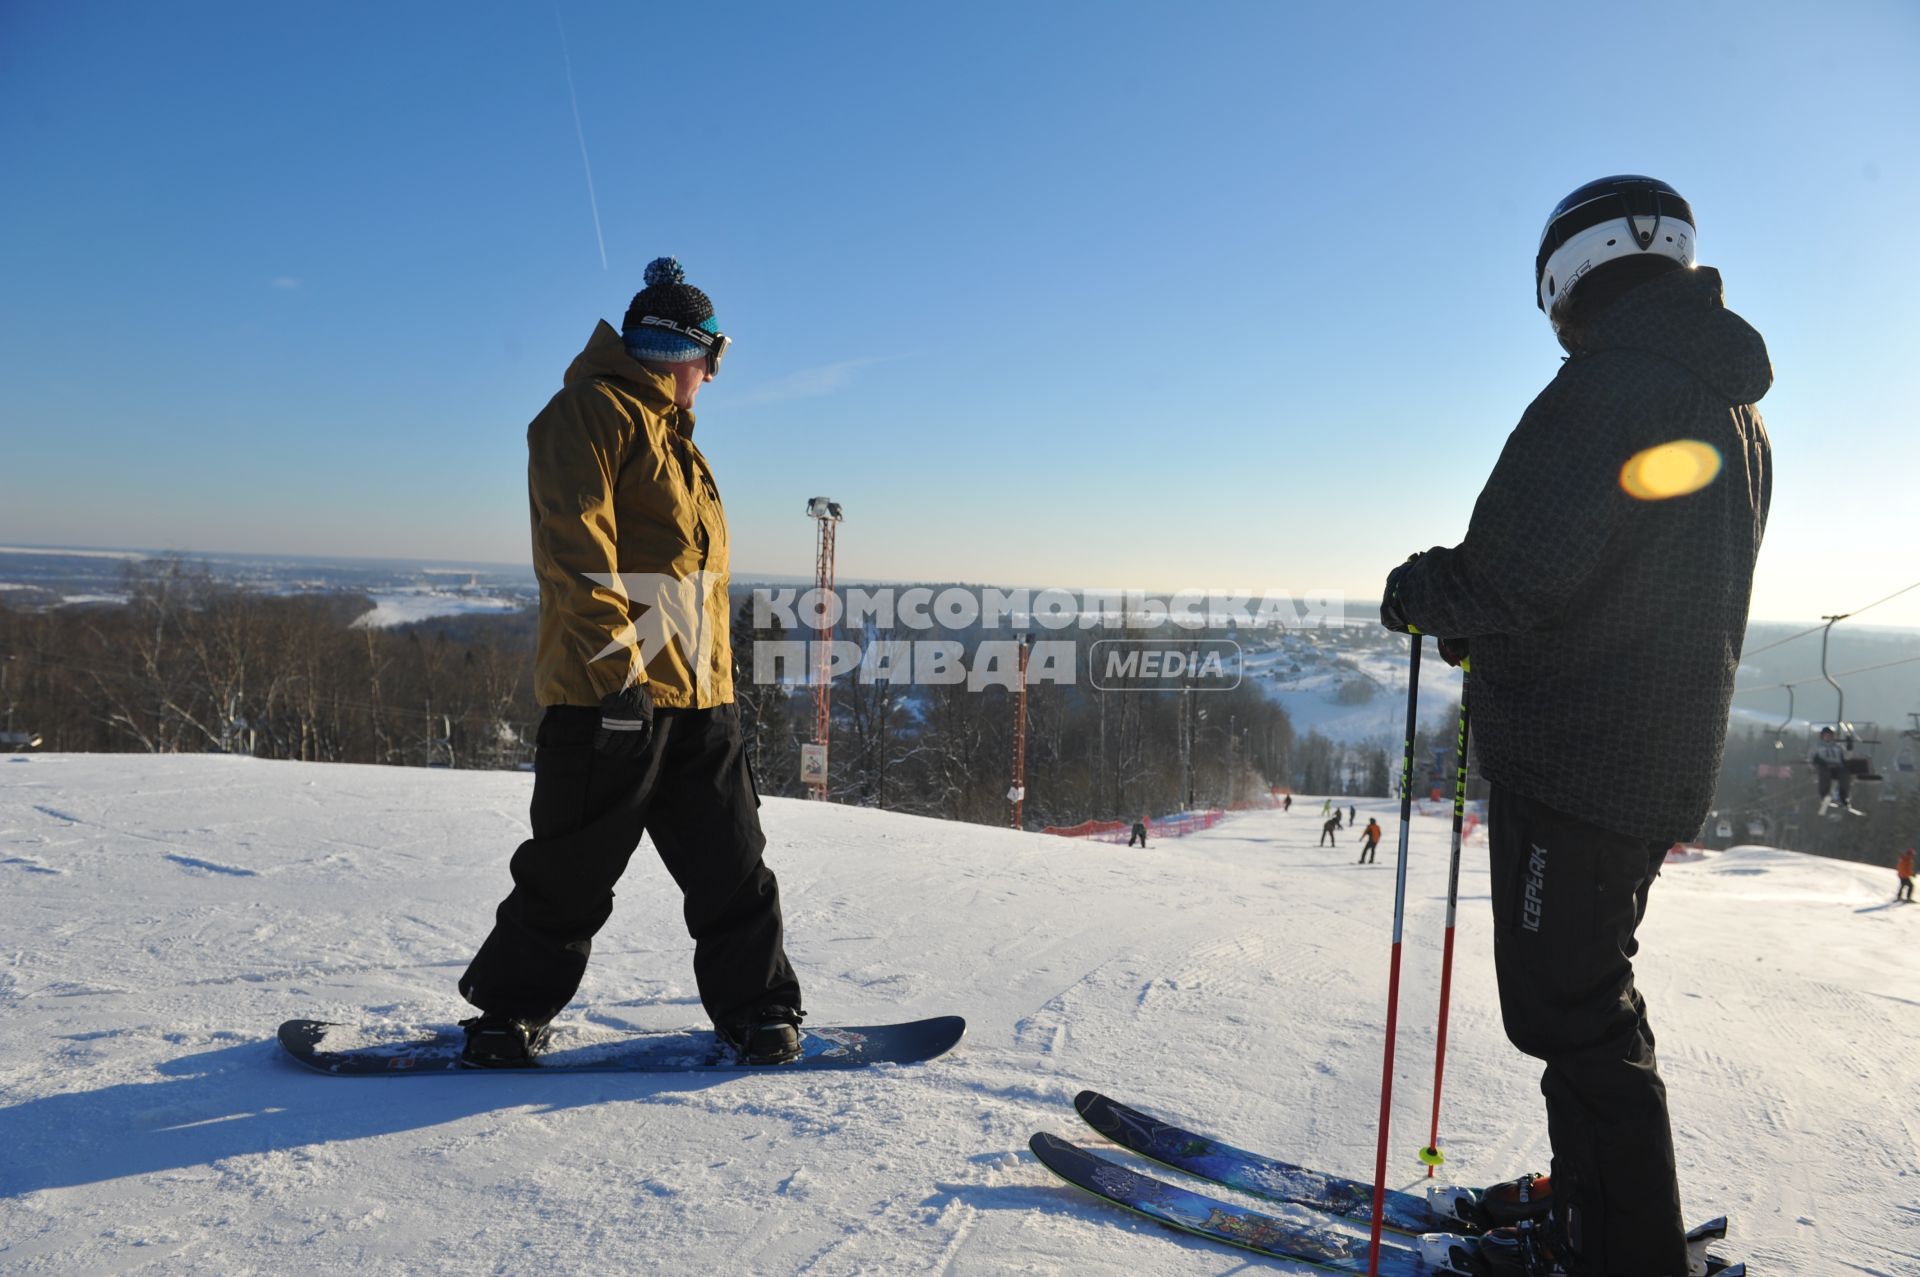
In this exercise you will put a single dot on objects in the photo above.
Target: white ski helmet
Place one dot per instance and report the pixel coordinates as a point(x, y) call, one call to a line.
point(1602, 221)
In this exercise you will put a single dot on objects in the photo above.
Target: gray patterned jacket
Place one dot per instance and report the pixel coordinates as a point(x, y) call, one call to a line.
point(1605, 627)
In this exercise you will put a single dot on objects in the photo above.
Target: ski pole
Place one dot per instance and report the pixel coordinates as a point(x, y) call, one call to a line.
point(1431, 1154)
point(1393, 976)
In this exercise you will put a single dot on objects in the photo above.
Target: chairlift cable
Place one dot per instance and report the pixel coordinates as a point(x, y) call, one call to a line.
point(1816, 629)
point(1801, 682)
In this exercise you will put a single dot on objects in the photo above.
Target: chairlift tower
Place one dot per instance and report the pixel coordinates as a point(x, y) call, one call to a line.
point(826, 513)
point(1017, 793)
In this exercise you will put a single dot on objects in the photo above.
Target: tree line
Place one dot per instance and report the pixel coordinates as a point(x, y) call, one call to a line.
point(189, 664)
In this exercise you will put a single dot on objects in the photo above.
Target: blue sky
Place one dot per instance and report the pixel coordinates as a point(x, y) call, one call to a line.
point(1103, 294)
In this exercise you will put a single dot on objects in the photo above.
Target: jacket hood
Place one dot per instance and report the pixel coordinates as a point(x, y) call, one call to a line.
point(605, 356)
point(1682, 316)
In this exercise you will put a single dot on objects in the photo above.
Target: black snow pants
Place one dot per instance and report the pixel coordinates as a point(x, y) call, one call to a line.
point(1835, 777)
point(692, 790)
point(1906, 890)
point(1567, 898)
point(1366, 852)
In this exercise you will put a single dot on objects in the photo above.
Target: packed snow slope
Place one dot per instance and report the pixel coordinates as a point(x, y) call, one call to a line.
point(163, 915)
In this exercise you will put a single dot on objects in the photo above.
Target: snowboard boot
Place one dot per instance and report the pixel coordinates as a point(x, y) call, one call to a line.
point(501, 1042)
point(770, 1035)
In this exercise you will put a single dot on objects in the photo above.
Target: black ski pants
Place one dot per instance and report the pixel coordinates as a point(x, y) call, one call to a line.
point(1567, 898)
point(1906, 890)
point(692, 791)
point(1366, 852)
point(1832, 777)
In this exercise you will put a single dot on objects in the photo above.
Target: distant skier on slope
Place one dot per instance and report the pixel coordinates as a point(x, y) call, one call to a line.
point(1904, 868)
point(1139, 833)
point(1286, 803)
point(1829, 759)
point(1326, 831)
point(1604, 584)
point(635, 669)
point(1372, 844)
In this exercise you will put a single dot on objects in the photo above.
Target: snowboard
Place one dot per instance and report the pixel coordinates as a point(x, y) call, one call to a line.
point(346, 1050)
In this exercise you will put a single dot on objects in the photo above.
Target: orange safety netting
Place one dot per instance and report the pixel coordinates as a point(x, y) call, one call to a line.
point(1157, 827)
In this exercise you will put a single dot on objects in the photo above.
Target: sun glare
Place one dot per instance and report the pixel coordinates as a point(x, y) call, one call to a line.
point(1670, 470)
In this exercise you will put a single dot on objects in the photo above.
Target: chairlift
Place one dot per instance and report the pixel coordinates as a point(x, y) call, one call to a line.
point(1859, 766)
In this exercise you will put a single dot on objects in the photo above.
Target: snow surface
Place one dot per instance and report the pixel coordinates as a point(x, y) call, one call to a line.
point(1311, 697)
point(164, 914)
point(410, 606)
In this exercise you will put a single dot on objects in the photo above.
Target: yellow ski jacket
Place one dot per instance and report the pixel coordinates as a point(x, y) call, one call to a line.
point(629, 540)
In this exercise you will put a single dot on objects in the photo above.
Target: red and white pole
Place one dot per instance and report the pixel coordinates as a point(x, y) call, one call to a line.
point(1393, 977)
point(1431, 1154)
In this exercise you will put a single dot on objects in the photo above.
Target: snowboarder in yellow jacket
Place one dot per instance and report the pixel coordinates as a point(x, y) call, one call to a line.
point(634, 670)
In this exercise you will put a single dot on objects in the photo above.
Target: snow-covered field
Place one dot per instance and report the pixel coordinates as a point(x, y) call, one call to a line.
point(162, 915)
point(1312, 697)
point(412, 606)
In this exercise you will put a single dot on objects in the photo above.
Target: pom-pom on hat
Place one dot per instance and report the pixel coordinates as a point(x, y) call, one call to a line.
point(667, 295)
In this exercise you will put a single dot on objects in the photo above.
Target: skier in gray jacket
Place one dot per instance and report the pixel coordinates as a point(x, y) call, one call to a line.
point(1603, 585)
point(1829, 760)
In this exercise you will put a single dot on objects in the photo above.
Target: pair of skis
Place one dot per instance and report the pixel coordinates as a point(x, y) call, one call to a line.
point(1435, 1233)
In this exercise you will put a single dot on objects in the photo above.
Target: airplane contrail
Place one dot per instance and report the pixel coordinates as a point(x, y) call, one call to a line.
point(593, 201)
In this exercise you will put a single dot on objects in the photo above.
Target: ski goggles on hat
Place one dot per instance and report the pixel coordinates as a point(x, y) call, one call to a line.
point(715, 344)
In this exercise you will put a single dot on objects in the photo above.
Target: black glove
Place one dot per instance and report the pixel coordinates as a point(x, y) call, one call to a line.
point(1453, 652)
point(626, 721)
point(1390, 614)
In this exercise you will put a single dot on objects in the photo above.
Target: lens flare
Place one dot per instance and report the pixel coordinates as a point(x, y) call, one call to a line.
point(1670, 470)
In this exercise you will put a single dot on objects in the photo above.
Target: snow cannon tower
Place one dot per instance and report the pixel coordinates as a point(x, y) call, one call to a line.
point(813, 757)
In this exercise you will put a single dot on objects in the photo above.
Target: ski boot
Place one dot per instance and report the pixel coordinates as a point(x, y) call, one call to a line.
point(1529, 1197)
point(769, 1036)
point(1477, 1210)
point(502, 1042)
point(1525, 1249)
point(1538, 1248)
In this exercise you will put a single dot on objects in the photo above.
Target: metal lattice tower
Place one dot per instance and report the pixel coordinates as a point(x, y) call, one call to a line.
point(826, 513)
point(1017, 794)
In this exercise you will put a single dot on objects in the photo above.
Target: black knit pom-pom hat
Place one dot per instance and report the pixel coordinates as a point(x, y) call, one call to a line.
point(668, 296)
